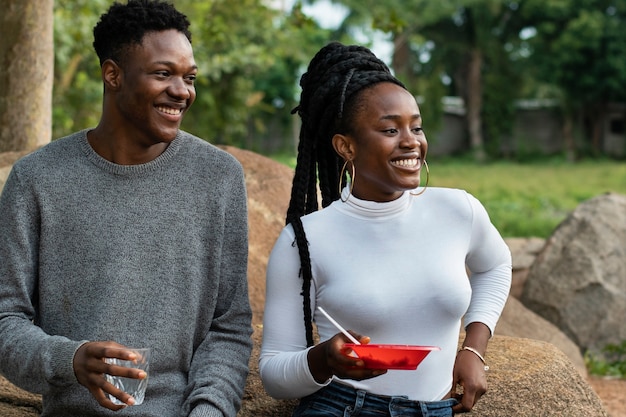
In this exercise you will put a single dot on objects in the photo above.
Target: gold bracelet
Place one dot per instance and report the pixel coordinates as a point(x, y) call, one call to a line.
point(475, 352)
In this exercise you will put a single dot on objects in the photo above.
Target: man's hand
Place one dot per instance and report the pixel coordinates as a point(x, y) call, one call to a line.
point(90, 367)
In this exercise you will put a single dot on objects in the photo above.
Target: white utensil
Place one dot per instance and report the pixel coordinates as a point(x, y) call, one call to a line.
point(338, 326)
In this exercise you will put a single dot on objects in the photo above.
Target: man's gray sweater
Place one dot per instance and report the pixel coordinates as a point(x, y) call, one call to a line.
point(151, 255)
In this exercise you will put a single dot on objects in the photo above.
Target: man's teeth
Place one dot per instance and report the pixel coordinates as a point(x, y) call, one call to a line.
point(169, 110)
point(409, 163)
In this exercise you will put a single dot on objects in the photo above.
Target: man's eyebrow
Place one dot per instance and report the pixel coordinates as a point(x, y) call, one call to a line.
point(170, 63)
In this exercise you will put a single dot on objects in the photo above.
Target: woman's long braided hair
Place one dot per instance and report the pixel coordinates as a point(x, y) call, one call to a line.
point(328, 103)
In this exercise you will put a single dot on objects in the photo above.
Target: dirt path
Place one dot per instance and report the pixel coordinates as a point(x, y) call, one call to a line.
point(612, 392)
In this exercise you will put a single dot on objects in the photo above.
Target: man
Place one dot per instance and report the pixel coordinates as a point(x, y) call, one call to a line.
point(132, 234)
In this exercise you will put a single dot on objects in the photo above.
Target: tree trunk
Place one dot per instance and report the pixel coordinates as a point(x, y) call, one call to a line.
point(400, 59)
point(597, 115)
point(568, 136)
point(27, 62)
point(474, 104)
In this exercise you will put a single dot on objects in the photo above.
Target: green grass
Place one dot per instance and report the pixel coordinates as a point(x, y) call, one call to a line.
point(529, 199)
point(610, 362)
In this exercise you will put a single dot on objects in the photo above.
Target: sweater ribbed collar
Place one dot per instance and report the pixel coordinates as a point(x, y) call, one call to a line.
point(130, 170)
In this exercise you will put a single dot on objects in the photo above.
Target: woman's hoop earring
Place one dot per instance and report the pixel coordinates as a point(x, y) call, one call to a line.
point(343, 169)
point(427, 179)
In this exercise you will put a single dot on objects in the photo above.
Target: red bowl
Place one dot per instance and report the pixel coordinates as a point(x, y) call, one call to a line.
point(391, 356)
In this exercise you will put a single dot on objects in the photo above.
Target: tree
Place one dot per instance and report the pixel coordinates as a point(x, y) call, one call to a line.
point(249, 57)
point(77, 94)
point(402, 21)
point(474, 47)
point(579, 48)
point(26, 56)
point(453, 39)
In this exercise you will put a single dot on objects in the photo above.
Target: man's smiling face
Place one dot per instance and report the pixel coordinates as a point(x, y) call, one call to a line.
point(157, 86)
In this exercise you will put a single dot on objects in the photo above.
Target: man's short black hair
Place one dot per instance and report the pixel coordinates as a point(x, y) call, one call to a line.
point(124, 25)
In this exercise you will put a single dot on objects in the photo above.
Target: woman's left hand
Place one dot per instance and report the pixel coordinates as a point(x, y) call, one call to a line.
point(469, 372)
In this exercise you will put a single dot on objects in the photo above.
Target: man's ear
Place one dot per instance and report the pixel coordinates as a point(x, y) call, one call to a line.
point(111, 74)
point(344, 146)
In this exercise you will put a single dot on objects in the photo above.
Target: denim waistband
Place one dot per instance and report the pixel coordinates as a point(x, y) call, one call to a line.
point(338, 399)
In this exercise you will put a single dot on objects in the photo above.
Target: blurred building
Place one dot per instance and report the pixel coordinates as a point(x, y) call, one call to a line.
point(537, 129)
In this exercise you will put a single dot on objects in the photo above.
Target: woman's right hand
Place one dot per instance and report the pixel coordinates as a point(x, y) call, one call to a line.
point(332, 357)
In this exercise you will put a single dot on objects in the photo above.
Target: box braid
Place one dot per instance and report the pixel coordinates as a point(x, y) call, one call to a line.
point(330, 96)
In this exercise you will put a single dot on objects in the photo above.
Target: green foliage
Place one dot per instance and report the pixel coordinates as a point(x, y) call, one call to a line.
point(578, 48)
point(77, 91)
point(249, 56)
point(232, 47)
point(580, 43)
point(610, 362)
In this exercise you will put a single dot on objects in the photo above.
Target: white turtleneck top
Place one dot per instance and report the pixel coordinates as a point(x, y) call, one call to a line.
point(396, 272)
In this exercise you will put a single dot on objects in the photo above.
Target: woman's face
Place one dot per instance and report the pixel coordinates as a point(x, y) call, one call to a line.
point(387, 142)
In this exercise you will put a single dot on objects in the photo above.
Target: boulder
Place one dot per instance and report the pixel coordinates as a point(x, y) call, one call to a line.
point(528, 378)
point(578, 280)
point(15, 402)
point(7, 159)
point(518, 321)
point(269, 185)
point(524, 251)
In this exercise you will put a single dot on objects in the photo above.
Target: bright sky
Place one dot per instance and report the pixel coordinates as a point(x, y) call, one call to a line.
point(330, 15)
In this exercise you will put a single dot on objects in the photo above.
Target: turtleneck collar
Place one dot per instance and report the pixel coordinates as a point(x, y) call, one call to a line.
point(371, 209)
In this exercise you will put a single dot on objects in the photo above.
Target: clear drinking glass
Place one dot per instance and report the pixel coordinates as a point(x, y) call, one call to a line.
point(134, 387)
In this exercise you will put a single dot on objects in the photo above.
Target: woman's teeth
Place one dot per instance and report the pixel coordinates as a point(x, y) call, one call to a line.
point(408, 163)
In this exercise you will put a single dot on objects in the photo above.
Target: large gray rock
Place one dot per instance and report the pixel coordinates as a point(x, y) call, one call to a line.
point(524, 250)
point(528, 378)
point(517, 320)
point(534, 378)
point(578, 281)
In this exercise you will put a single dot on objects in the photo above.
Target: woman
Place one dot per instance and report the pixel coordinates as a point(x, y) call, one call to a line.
point(386, 259)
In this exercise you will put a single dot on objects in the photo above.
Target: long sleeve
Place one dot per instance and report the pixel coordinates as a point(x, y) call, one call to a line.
point(489, 262)
point(284, 346)
point(44, 359)
point(220, 364)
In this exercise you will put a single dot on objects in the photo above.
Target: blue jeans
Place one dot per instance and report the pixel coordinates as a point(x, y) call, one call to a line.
point(338, 400)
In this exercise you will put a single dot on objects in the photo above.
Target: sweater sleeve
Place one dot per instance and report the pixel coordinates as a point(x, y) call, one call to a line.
point(31, 359)
point(220, 363)
point(489, 263)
